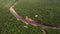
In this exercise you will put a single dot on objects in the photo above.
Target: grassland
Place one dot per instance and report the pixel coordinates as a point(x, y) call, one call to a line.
point(48, 11)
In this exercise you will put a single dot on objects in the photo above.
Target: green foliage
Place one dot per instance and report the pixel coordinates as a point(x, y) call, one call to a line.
point(48, 11)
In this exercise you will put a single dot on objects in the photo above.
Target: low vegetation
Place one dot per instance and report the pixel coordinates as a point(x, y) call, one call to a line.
point(48, 11)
